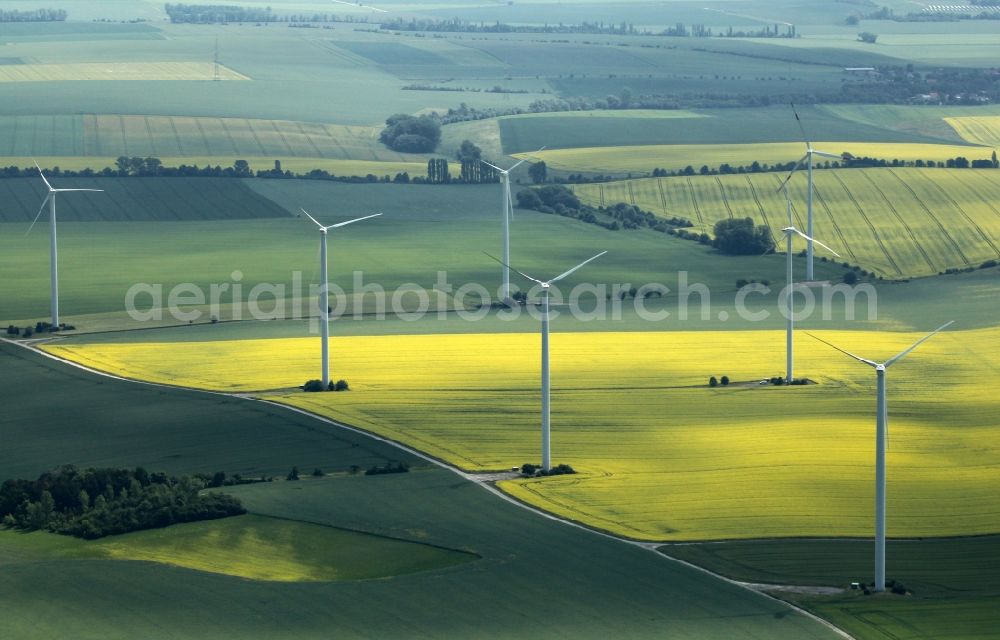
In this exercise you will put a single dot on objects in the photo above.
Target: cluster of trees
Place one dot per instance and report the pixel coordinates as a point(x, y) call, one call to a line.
point(473, 170)
point(32, 15)
point(317, 385)
point(740, 237)
point(40, 327)
point(93, 503)
point(436, 87)
point(529, 470)
point(214, 13)
point(560, 200)
point(780, 380)
point(623, 28)
point(903, 84)
point(412, 134)
point(378, 470)
point(714, 382)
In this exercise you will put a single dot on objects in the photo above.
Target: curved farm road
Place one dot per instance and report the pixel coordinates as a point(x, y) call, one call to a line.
point(487, 482)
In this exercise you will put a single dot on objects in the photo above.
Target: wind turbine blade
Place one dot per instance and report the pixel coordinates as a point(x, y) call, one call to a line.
point(344, 224)
point(846, 353)
point(510, 202)
point(563, 275)
point(805, 136)
point(838, 156)
point(43, 175)
point(814, 240)
point(39, 214)
point(493, 165)
point(798, 165)
point(62, 190)
point(902, 354)
point(514, 270)
point(518, 164)
point(311, 218)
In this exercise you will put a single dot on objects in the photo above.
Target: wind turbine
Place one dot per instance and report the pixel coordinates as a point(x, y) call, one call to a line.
point(789, 232)
point(546, 443)
point(808, 160)
point(53, 247)
point(324, 292)
point(508, 215)
point(881, 441)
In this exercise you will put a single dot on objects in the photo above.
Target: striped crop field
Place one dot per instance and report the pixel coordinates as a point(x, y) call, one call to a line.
point(898, 222)
point(984, 130)
point(644, 158)
point(190, 137)
point(660, 455)
point(76, 71)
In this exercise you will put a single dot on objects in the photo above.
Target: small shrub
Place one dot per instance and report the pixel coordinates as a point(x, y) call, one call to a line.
point(293, 474)
point(725, 381)
point(898, 588)
point(313, 385)
point(528, 469)
point(341, 385)
point(713, 382)
point(317, 473)
point(850, 277)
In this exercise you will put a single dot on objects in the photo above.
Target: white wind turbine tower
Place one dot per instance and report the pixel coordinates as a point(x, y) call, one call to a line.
point(546, 441)
point(808, 160)
point(508, 215)
point(881, 442)
point(789, 232)
point(53, 246)
point(324, 292)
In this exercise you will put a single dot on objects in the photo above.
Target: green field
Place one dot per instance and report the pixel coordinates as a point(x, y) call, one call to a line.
point(897, 223)
point(167, 137)
point(418, 221)
point(507, 593)
point(136, 200)
point(633, 413)
point(946, 600)
point(685, 130)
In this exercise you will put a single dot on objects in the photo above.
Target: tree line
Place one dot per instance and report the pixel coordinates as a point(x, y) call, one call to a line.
point(557, 199)
point(93, 503)
point(32, 15)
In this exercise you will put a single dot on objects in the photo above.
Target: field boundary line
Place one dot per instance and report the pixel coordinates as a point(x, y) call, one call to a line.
point(121, 129)
point(311, 142)
point(833, 220)
point(281, 136)
point(944, 192)
point(694, 200)
point(985, 201)
point(253, 132)
point(229, 136)
point(760, 207)
point(725, 198)
point(651, 547)
point(902, 221)
point(177, 136)
point(930, 214)
point(149, 134)
point(13, 135)
point(663, 197)
point(864, 216)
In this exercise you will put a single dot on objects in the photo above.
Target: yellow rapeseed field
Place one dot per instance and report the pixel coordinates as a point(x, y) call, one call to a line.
point(660, 455)
point(896, 222)
point(983, 130)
